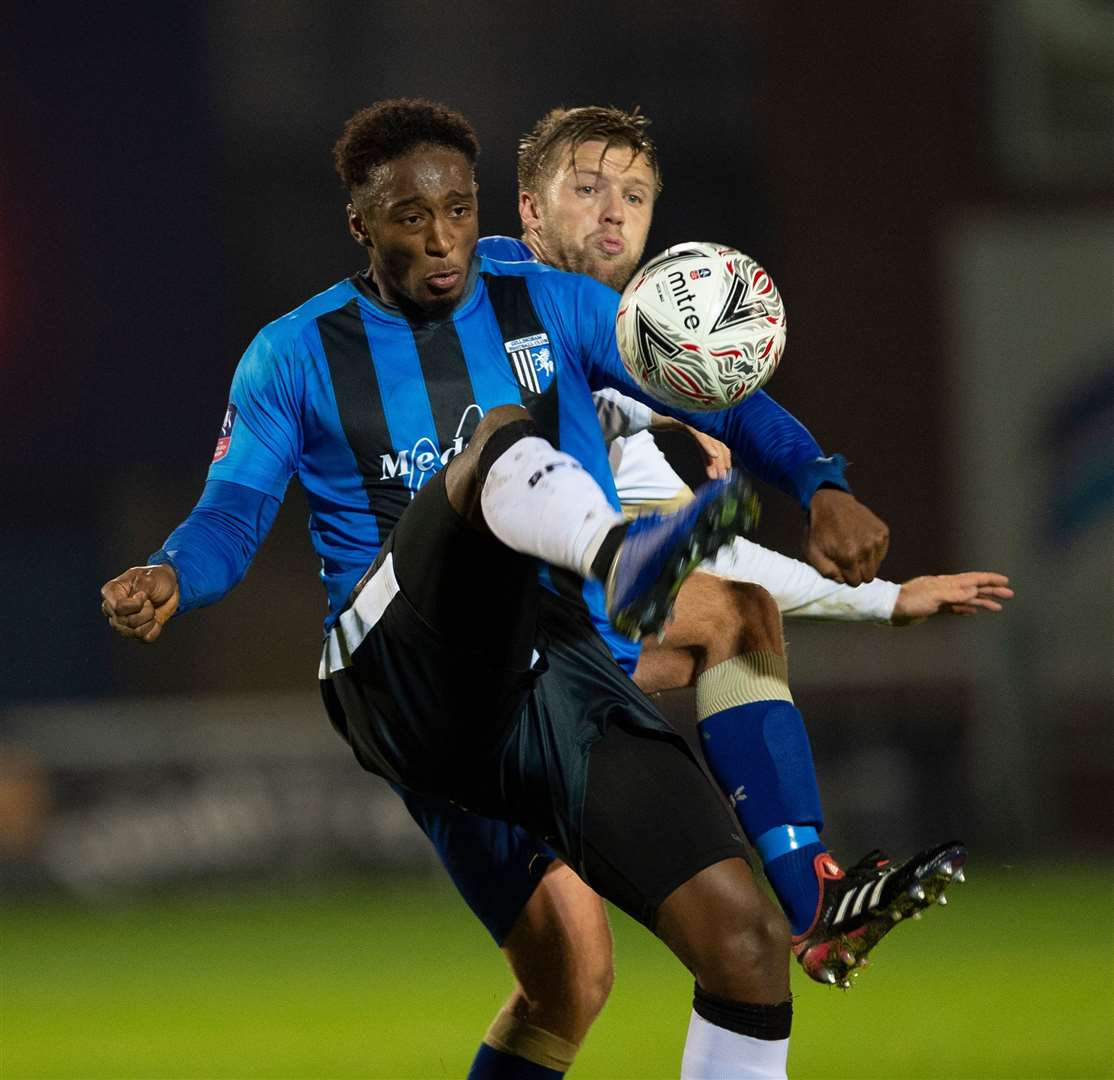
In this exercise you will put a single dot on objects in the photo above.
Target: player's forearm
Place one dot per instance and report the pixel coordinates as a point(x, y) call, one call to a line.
point(212, 549)
point(799, 590)
point(873, 601)
point(778, 448)
point(619, 415)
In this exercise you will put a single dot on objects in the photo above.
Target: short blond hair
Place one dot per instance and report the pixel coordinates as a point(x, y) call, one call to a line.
point(538, 150)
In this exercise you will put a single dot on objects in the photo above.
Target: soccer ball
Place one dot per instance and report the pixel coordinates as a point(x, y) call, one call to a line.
point(701, 326)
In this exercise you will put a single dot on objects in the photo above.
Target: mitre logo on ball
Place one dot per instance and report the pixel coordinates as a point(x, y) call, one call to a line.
point(701, 326)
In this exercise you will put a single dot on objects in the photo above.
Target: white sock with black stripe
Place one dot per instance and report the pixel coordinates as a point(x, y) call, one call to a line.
point(736, 1040)
point(539, 501)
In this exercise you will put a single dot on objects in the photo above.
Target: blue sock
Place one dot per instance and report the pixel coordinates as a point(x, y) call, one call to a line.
point(793, 877)
point(760, 756)
point(492, 1064)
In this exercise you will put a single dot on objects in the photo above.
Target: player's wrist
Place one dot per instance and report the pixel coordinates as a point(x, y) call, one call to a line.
point(162, 563)
point(881, 600)
point(162, 558)
point(822, 474)
point(661, 422)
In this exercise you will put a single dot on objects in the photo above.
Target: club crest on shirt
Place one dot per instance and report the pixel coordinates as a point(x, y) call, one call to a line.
point(225, 438)
point(532, 360)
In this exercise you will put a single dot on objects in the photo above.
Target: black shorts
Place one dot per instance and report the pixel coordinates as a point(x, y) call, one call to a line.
point(453, 673)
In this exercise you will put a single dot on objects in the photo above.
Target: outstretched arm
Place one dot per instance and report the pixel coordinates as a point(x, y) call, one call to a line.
point(799, 590)
point(211, 550)
point(802, 593)
point(200, 562)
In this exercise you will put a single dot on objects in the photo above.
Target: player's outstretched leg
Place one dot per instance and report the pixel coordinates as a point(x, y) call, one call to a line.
point(540, 501)
point(726, 639)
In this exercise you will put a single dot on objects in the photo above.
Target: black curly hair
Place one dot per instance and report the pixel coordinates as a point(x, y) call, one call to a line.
point(569, 128)
point(389, 129)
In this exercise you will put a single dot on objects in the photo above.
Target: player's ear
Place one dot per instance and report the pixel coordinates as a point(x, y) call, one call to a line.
point(356, 227)
point(528, 210)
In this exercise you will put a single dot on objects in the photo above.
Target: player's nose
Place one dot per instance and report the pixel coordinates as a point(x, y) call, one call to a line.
point(438, 239)
point(614, 210)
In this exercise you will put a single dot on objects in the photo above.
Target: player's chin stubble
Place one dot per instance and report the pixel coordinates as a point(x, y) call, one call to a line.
point(583, 260)
point(616, 274)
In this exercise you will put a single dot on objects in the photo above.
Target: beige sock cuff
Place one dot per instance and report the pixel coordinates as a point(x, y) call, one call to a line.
point(638, 507)
point(520, 1039)
point(756, 676)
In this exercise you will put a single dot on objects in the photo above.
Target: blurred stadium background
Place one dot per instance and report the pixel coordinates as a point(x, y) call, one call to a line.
point(197, 879)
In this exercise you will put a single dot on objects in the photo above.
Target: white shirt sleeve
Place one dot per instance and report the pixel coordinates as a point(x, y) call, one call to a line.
point(801, 592)
point(620, 415)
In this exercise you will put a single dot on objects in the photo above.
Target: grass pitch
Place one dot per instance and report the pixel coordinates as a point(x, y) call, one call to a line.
point(1014, 979)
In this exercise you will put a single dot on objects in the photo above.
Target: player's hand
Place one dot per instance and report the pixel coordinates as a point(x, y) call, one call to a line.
point(954, 594)
point(139, 602)
point(717, 456)
point(843, 539)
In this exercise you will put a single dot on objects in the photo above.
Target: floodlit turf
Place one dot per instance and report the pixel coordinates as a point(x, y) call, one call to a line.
point(1013, 979)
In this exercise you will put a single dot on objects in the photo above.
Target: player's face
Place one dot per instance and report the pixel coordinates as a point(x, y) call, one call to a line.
point(420, 228)
point(592, 213)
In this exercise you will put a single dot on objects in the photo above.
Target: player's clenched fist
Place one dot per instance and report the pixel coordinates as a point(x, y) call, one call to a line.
point(843, 539)
point(140, 601)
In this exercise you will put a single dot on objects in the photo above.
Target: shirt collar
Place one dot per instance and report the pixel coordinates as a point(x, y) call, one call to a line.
point(367, 291)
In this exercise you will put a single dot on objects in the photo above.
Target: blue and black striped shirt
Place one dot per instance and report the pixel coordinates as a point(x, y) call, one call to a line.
point(364, 405)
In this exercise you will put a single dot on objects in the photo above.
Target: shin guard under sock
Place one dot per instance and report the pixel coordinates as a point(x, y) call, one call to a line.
point(539, 501)
point(756, 746)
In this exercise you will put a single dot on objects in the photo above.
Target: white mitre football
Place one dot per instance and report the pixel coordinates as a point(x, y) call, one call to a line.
point(701, 326)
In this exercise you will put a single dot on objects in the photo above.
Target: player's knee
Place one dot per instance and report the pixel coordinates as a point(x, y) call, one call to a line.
point(594, 987)
point(729, 934)
point(571, 996)
point(497, 416)
point(761, 937)
point(558, 1008)
point(754, 943)
point(560, 951)
point(744, 619)
point(496, 432)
